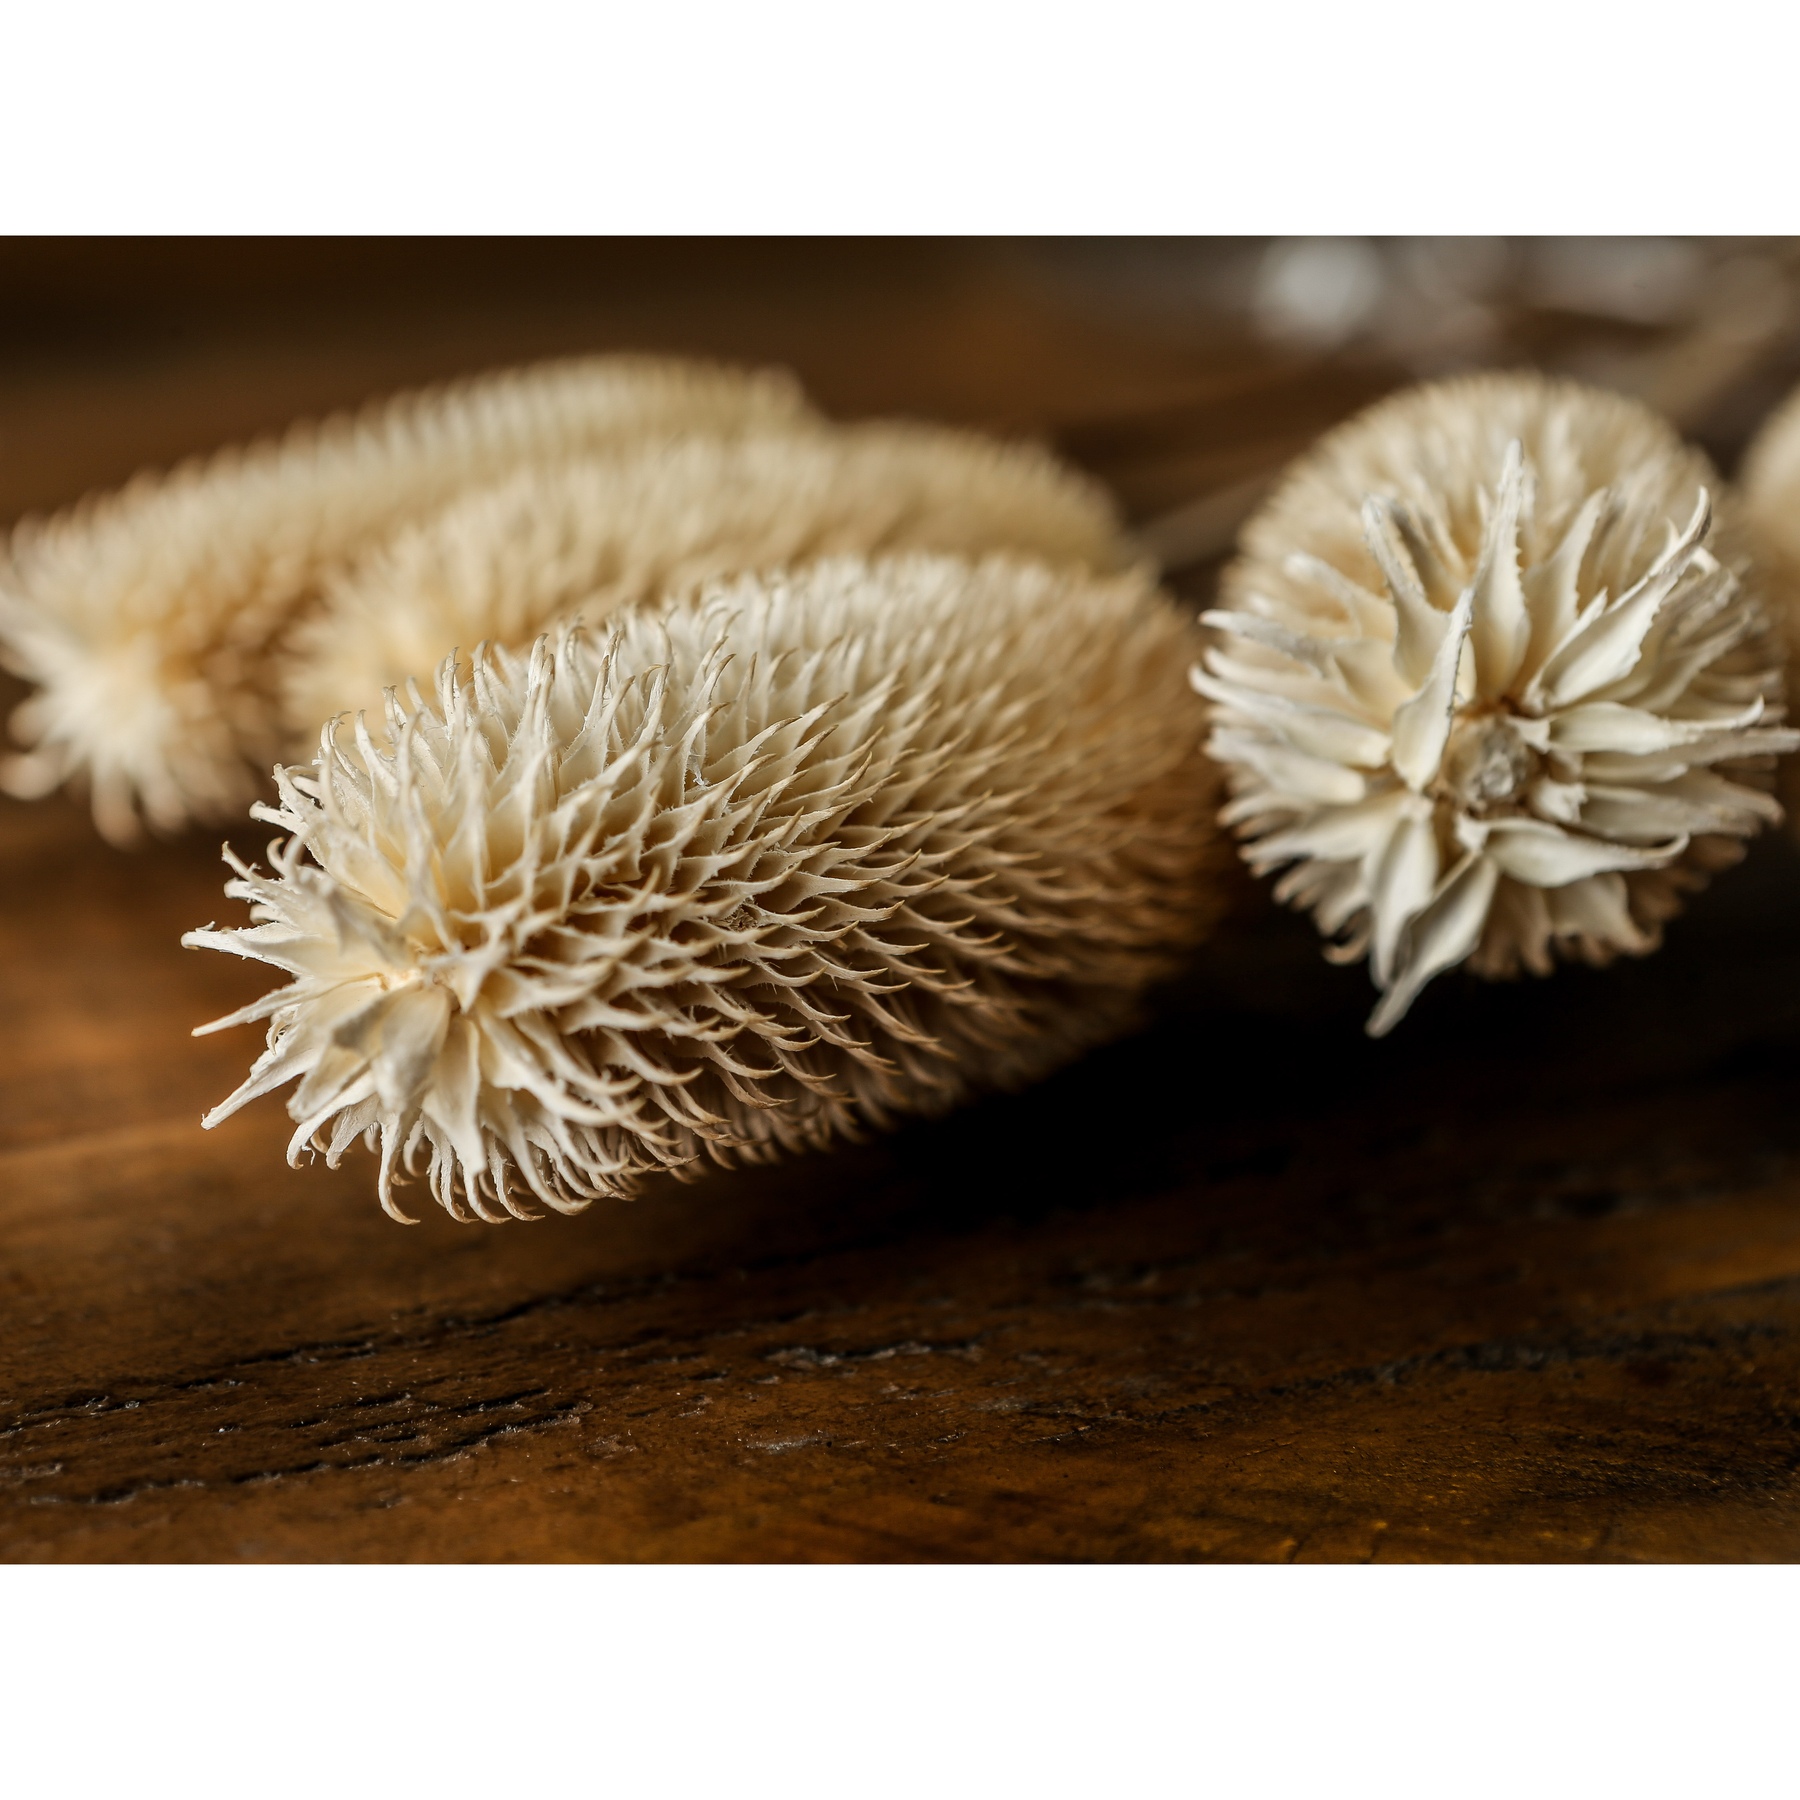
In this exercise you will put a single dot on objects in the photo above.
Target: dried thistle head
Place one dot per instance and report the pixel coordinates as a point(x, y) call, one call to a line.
point(1489, 682)
point(746, 872)
point(501, 564)
point(147, 618)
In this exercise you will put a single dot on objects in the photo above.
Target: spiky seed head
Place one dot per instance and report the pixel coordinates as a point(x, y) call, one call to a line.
point(744, 873)
point(148, 617)
point(1489, 681)
point(501, 564)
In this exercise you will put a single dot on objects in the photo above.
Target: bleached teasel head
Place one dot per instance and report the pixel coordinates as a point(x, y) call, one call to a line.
point(1490, 681)
point(749, 871)
point(148, 618)
point(501, 564)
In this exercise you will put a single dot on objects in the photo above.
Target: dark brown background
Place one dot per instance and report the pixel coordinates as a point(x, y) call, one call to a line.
point(1521, 1282)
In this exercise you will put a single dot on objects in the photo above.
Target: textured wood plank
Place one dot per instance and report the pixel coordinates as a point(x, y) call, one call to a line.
point(1525, 1283)
point(1521, 1282)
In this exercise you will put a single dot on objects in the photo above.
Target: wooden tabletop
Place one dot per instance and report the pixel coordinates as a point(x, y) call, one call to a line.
point(1520, 1282)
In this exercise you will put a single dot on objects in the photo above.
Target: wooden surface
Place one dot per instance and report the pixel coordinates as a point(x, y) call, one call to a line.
point(1521, 1282)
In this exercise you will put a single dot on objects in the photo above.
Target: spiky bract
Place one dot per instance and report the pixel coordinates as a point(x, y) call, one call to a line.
point(147, 617)
point(747, 872)
point(1490, 682)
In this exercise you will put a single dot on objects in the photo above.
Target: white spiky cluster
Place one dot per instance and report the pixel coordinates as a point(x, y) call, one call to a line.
point(1489, 683)
point(502, 564)
point(147, 618)
point(751, 870)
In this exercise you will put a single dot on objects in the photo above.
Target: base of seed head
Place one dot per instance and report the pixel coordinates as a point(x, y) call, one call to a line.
point(746, 873)
point(1490, 683)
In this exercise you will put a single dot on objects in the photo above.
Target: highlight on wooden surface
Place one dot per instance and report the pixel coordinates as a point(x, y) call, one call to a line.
point(744, 874)
point(1489, 682)
point(149, 619)
point(503, 564)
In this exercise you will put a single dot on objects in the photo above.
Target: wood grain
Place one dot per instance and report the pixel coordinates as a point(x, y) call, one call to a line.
point(1522, 1282)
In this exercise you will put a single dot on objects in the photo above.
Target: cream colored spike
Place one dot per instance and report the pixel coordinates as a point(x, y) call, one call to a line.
point(502, 564)
point(1489, 682)
point(745, 872)
point(147, 617)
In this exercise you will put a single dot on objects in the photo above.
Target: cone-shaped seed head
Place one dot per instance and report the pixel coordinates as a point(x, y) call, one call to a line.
point(149, 618)
point(502, 564)
point(746, 872)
